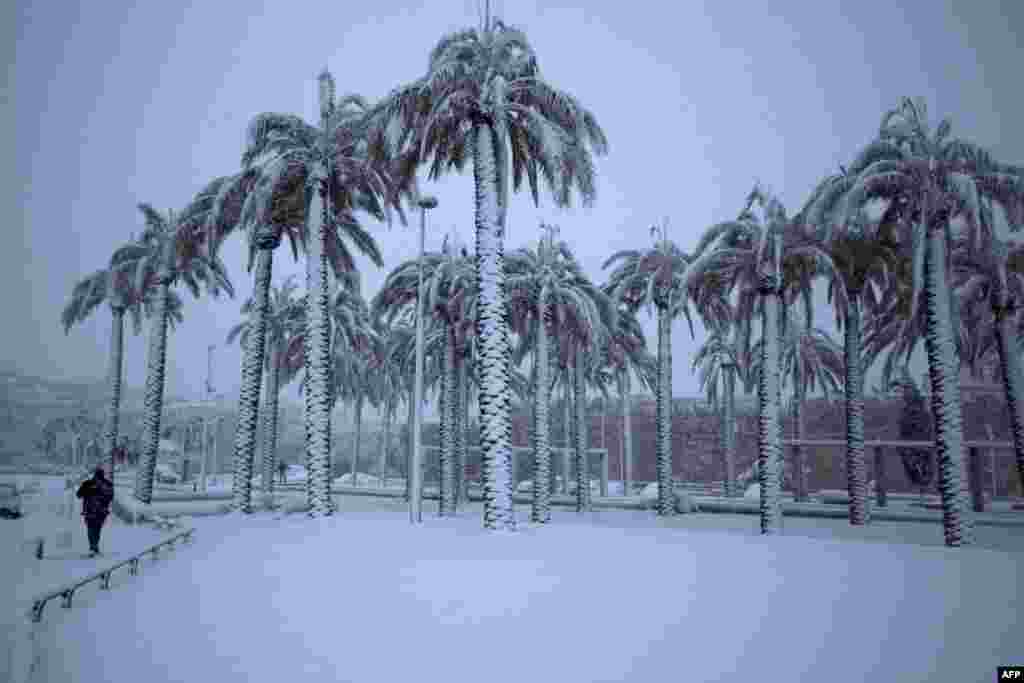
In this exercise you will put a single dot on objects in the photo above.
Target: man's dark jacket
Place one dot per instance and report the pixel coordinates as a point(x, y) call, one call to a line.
point(96, 494)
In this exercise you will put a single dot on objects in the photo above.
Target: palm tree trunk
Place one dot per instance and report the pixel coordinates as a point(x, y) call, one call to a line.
point(881, 497)
point(318, 348)
point(604, 446)
point(799, 466)
point(783, 326)
point(566, 438)
point(357, 421)
point(540, 513)
point(382, 455)
point(252, 376)
point(270, 417)
point(627, 436)
point(769, 435)
point(945, 385)
point(664, 413)
point(856, 470)
point(410, 419)
point(460, 428)
point(307, 431)
point(154, 394)
point(1013, 384)
point(729, 424)
point(580, 432)
point(449, 408)
point(116, 363)
point(492, 334)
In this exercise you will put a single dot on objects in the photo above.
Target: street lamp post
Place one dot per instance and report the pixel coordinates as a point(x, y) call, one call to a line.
point(205, 450)
point(416, 471)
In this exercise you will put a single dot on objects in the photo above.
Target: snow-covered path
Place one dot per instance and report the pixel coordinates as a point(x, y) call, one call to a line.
point(615, 597)
point(50, 512)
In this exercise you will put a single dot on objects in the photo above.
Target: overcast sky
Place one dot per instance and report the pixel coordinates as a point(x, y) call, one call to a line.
point(114, 103)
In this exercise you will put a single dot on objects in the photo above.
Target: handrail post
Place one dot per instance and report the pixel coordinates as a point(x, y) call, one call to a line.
point(881, 498)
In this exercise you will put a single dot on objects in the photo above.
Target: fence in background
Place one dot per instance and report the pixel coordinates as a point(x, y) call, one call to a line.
point(981, 470)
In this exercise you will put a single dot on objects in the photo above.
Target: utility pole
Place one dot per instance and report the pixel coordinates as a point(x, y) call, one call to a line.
point(416, 475)
point(206, 419)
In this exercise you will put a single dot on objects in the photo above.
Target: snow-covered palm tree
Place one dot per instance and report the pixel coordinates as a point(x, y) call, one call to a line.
point(627, 357)
point(484, 98)
point(810, 360)
point(352, 376)
point(551, 298)
point(450, 284)
point(718, 365)
point(171, 249)
point(864, 254)
point(387, 380)
point(763, 258)
point(258, 204)
point(666, 278)
point(934, 179)
point(284, 320)
point(328, 173)
point(352, 333)
point(115, 286)
point(989, 279)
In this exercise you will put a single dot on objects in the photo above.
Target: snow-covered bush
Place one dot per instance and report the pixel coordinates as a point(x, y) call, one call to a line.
point(684, 502)
point(362, 480)
point(165, 474)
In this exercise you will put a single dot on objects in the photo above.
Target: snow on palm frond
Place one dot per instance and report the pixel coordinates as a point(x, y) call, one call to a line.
point(87, 295)
point(282, 135)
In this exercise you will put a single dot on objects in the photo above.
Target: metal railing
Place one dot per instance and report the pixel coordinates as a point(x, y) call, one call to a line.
point(67, 591)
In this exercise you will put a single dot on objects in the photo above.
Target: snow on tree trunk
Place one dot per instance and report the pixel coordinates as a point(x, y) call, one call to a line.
point(252, 376)
point(783, 323)
point(856, 471)
point(627, 436)
point(492, 336)
point(357, 420)
point(799, 463)
point(580, 431)
point(769, 433)
point(460, 427)
point(1013, 383)
point(666, 506)
point(270, 415)
point(540, 513)
point(307, 432)
point(383, 450)
point(154, 394)
point(410, 421)
point(604, 446)
point(566, 439)
point(729, 425)
point(317, 348)
point(114, 378)
point(449, 408)
point(944, 374)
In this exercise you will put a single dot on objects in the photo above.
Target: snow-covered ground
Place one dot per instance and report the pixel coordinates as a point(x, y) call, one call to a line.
point(52, 512)
point(606, 596)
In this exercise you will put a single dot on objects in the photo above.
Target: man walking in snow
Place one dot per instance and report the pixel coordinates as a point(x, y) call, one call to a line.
point(96, 494)
point(282, 470)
